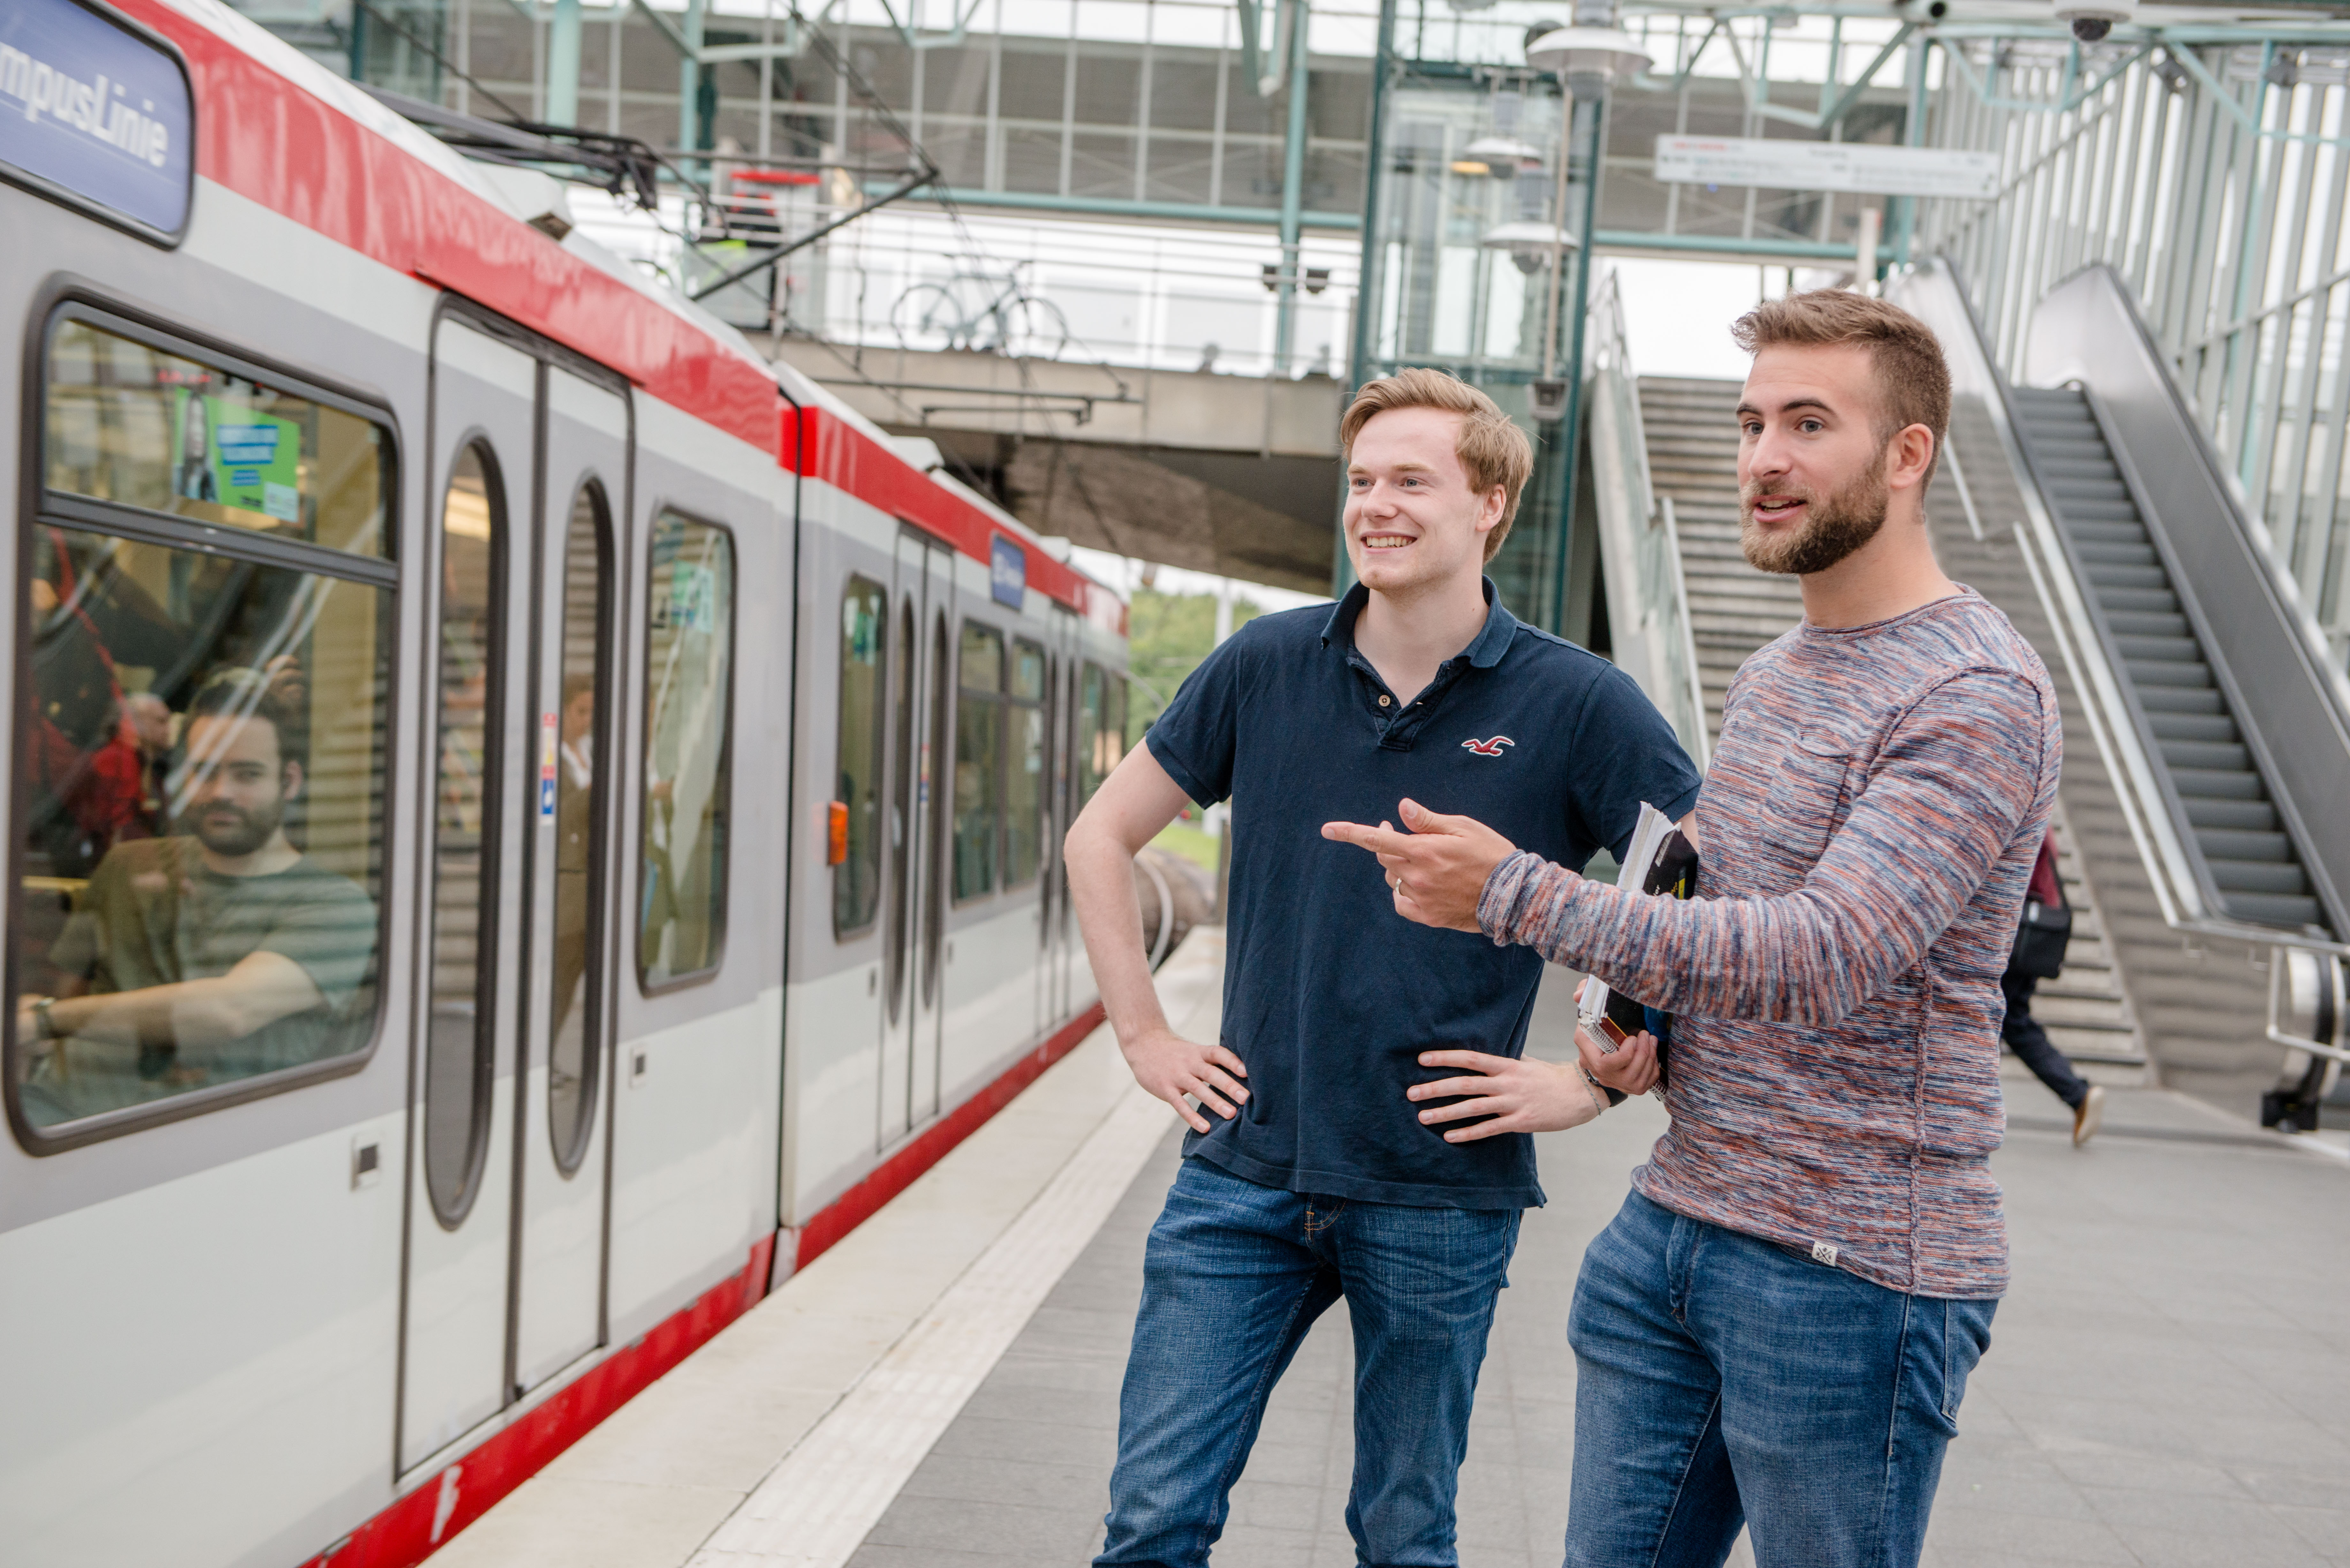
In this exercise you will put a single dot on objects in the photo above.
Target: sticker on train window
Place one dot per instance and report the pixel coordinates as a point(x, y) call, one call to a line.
point(95, 111)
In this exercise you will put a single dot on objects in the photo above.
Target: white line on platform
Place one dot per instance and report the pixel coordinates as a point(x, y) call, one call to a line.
point(815, 1507)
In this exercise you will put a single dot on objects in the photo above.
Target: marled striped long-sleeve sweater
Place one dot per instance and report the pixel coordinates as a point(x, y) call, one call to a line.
point(1867, 830)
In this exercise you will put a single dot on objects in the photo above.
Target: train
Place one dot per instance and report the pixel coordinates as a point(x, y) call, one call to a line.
point(528, 820)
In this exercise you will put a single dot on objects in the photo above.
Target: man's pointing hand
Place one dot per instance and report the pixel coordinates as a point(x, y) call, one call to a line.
point(1437, 870)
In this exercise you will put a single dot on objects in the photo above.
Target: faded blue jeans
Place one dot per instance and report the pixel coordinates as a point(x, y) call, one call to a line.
point(1723, 1380)
point(1234, 1274)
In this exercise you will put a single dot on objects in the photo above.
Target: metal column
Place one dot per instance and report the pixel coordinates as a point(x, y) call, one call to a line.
point(1293, 193)
point(1570, 427)
point(689, 79)
point(563, 43)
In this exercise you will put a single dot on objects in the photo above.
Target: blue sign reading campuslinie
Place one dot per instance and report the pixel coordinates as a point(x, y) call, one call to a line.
point(96, 112)
point(1007, 571)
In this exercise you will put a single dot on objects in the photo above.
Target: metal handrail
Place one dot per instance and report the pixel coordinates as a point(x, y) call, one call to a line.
point(1933, 291)
point(1648, 598)
point(2181, 883)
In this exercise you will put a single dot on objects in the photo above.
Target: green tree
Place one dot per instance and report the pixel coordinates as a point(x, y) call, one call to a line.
point(1166, 636)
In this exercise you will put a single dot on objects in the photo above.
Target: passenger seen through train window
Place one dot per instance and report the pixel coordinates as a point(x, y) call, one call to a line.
point(206, 955)
point(202, 804)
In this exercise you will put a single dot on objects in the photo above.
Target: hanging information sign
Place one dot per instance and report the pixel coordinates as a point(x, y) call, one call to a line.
point(1854, 166)
point(96, 112)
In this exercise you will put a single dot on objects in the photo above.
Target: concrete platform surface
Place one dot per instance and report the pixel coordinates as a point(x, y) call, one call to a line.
point(2168, 1381)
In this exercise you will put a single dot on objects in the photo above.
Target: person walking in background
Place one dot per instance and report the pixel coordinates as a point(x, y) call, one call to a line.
point(1777, 1329)
point(2039, 955)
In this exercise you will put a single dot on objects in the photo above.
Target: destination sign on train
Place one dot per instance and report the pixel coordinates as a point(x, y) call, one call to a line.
point(1854, 166)
point(95, 112)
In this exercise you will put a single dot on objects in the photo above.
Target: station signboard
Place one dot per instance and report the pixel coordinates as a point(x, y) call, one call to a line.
point(1007, 572)
point(1861, 167)
point(96, 112)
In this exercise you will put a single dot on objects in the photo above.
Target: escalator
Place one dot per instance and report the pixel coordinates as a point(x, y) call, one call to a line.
point(2228, 811)
point(2207, 778)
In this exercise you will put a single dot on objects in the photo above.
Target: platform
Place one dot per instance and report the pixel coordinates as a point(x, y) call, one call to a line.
point(2167, 1382)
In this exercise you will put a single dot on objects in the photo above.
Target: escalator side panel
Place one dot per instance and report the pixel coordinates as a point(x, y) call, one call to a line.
point(2196, 1001)
point(2179, 705)
point(2291, 709)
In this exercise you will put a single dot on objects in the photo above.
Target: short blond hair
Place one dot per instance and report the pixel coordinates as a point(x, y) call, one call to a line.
point(1492, 449)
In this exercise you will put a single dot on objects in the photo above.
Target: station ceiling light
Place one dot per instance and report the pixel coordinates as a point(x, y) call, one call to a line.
point(1588, 58)
point(1529, 243)
point(1503, 157)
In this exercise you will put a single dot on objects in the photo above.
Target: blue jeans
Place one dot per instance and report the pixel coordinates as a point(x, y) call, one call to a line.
point(1723, 1380)
point(1235, 1275)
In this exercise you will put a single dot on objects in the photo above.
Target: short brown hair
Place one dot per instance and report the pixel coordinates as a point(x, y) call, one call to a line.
point(1913, 380)
point(1492, 449)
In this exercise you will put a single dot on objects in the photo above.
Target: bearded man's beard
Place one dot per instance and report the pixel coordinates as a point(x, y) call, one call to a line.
point(1836, 526)
point(225, 829)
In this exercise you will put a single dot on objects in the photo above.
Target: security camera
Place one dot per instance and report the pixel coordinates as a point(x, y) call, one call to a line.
point(2090, 20)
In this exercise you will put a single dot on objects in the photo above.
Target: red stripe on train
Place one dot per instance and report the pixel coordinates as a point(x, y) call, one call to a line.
point(825, 446)
point(426, 1518)
point(264, 137)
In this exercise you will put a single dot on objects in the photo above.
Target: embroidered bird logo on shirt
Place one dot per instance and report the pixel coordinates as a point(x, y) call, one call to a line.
point(1492, 748)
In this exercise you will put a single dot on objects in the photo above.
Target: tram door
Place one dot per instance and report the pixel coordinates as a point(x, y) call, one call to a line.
point(921, 796)
point(529, 468)
point(565, 992)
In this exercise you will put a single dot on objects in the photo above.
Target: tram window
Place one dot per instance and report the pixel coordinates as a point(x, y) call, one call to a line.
point(202, 817)
point(460, 1042)
point(864, 636)
point(575, 1021)
point(1024, 786)
point(688, 763)
point(978, 775)
point(136, 425)
point(1101, 728)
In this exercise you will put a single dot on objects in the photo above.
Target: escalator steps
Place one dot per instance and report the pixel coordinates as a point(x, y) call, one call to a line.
point(2252, 862)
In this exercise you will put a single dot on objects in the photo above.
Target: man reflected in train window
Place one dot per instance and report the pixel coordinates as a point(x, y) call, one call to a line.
point(215, 953)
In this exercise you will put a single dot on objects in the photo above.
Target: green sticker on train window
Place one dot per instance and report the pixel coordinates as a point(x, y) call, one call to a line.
point(229, 452)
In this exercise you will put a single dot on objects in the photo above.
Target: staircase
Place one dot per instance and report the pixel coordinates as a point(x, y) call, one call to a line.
point(2085, 1009)
point(1692, 430)
point(2252, 861)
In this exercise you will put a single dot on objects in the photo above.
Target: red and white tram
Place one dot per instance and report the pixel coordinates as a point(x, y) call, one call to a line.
point(527, 822)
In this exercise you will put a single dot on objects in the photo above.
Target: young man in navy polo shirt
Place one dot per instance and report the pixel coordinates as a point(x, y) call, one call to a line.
point(1323, 1173)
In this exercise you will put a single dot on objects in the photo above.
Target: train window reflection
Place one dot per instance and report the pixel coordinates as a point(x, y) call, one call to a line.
point(688, 764)
point(1023, 785)
point(977, 773)
point(461, 1037)
point(133, 424)
point(1101, 728)
point(203, 812)
point(864, 638)
point(575, 1021)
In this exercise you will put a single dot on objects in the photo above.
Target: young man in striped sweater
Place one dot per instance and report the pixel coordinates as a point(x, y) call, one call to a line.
point(1777, 1328)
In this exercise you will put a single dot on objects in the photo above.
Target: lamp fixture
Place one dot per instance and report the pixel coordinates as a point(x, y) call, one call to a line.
point(1588, 58)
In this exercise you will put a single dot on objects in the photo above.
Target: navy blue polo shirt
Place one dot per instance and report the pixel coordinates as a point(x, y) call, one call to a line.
point(1329, 994)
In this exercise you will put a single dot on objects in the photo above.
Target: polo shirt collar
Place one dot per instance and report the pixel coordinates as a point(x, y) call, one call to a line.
point(1483, 653)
